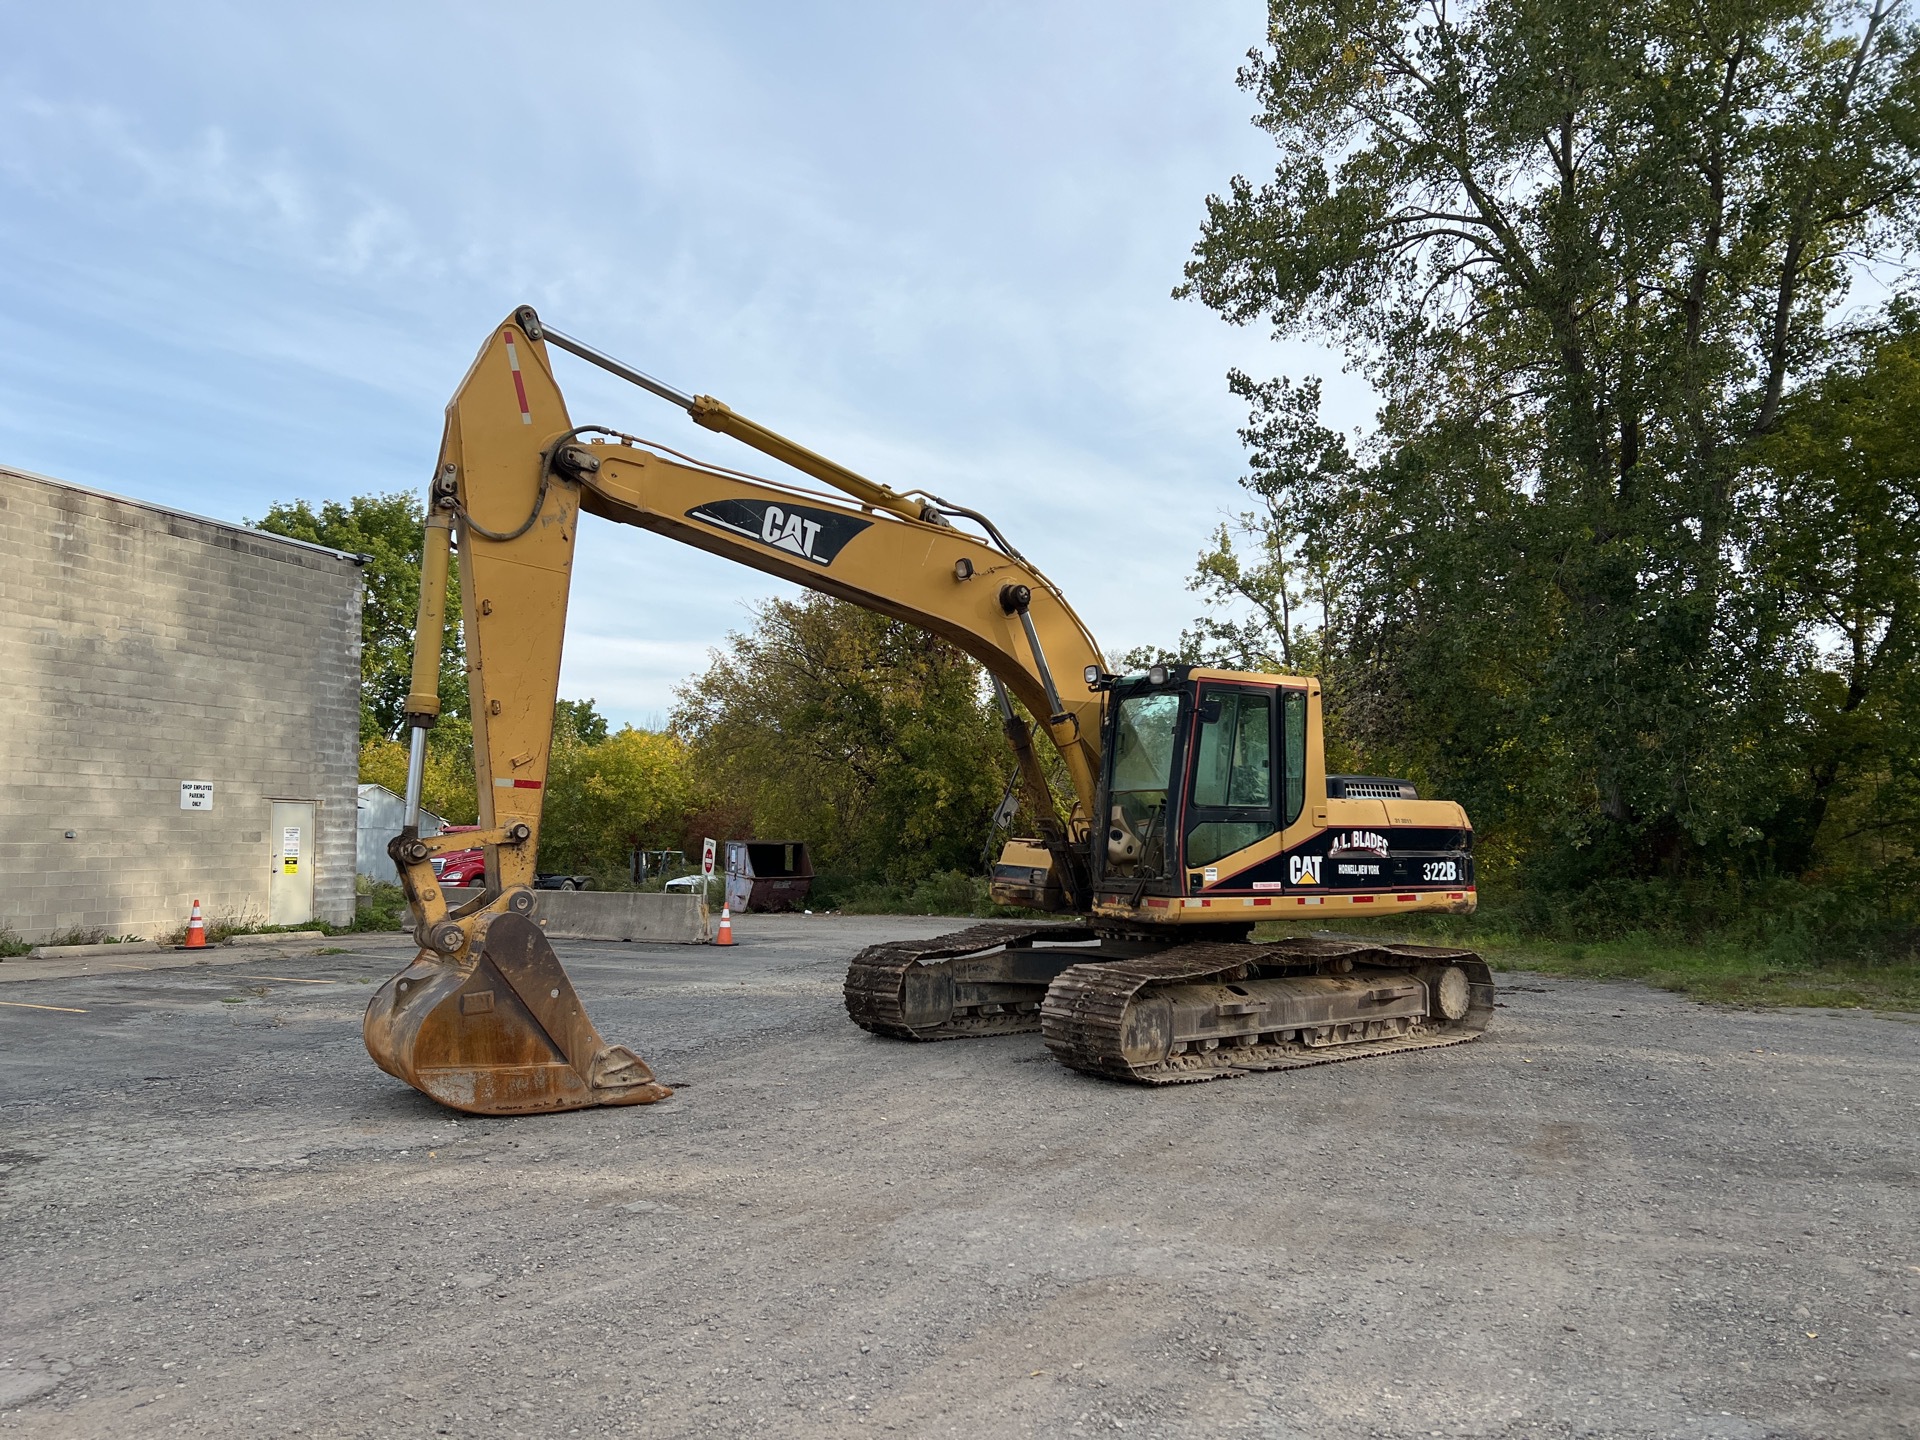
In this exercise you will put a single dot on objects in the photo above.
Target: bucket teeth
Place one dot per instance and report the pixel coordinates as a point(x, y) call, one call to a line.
point(615, 1067)
point(504, 1036)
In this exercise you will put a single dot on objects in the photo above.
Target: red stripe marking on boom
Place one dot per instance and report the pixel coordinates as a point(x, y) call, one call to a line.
point(519, 384)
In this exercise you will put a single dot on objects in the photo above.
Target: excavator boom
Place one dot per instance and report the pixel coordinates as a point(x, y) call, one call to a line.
point(485, 1019)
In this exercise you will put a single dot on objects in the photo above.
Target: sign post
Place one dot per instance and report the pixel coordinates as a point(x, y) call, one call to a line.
point(707, 849)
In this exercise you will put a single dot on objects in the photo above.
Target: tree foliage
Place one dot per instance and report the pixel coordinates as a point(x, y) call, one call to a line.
point(1834, 530)
point(606, 792)
point(866, 737)
point(387, 531)
point(1590, 257)
point(610, 794)
point(1270, 570)
point(447, 788)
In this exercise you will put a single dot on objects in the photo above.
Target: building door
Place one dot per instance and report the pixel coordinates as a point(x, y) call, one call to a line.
point(290, 887)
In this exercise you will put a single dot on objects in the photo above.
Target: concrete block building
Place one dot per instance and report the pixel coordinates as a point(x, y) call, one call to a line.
point(180, 718)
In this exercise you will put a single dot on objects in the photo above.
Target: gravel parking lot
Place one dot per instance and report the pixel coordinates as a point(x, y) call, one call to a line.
point(1619, 1214)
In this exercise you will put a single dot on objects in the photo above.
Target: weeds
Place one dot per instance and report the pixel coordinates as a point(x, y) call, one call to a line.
point(81, 936)
point(378, 908)
point(1757, 958)
point(948, 893)
point(381, 907)
point(12, 946)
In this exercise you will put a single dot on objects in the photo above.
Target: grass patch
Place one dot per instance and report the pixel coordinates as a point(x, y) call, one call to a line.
point(949, 893)
point(93, 936)
point(1715, 969)
point(1724, 973)
point(379, 908)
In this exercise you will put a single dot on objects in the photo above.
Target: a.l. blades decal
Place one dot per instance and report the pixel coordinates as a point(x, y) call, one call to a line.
point(816, 535)
point(1396, 858)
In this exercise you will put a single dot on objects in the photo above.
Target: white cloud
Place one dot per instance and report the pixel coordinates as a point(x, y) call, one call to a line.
point(252, 250)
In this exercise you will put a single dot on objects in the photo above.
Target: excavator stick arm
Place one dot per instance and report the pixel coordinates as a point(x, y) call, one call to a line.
point(518, 473)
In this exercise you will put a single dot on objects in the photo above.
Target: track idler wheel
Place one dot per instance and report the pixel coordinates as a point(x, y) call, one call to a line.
point(505, 1036)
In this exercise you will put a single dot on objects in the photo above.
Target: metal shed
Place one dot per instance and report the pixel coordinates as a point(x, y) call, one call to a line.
point(381, 815)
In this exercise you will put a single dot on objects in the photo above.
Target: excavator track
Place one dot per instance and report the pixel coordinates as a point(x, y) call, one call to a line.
point(1120, 1019)
point(984, 980)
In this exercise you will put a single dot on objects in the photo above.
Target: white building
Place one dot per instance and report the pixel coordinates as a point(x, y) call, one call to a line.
point(181, 718)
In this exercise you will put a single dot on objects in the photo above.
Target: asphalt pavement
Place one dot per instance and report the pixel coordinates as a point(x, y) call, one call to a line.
point(1618, 1214)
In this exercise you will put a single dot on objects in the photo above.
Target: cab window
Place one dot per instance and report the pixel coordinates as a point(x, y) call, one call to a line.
point(1294, 751)
point(1143, 743)
point(1232, 799)
point(1234, 763)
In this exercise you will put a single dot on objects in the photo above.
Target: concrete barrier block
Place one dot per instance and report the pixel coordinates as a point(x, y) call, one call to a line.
point(76, 952)
point(621, 915)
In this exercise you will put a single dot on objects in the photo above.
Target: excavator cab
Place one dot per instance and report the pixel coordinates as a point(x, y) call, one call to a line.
point(1215, 799)
point(1200, 767)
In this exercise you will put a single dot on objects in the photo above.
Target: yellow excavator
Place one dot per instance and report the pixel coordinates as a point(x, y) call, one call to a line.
point(1201, 804)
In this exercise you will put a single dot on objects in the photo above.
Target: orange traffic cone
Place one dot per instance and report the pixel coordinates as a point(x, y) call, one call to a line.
point(725, 937)
point(196, 930)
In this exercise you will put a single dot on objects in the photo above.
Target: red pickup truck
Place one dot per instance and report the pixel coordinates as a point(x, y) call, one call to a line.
point(469, 867)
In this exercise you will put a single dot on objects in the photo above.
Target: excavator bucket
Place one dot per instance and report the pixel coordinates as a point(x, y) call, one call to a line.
point(505, 1035)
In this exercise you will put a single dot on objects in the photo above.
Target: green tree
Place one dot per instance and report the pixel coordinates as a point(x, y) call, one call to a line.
point(868, 738)
point(608, 794)
point(1585, 255)
point(387, 530)
point(1270, 579)
point(447, 788)
point(576, 721)
point(1835, 539)
point(583, 790)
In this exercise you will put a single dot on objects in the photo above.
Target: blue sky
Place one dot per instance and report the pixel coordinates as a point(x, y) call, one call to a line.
point(246, 252)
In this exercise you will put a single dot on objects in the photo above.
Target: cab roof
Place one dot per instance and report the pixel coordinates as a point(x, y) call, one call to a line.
point(1185, 673)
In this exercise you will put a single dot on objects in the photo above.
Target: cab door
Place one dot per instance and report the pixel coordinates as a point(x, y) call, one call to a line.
point(1140, 788)
point(1232, 799)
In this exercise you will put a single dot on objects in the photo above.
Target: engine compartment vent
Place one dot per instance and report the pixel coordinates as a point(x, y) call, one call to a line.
point(1369, 787)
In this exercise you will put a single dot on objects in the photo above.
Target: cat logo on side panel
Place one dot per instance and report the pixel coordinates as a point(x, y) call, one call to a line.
point(816, 535)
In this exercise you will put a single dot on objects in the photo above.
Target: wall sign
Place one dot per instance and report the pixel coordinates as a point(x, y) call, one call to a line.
point(196, 795)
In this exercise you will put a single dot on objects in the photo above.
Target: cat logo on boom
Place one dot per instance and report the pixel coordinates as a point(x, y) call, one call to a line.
point(816, 535)
point(1303, 869)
